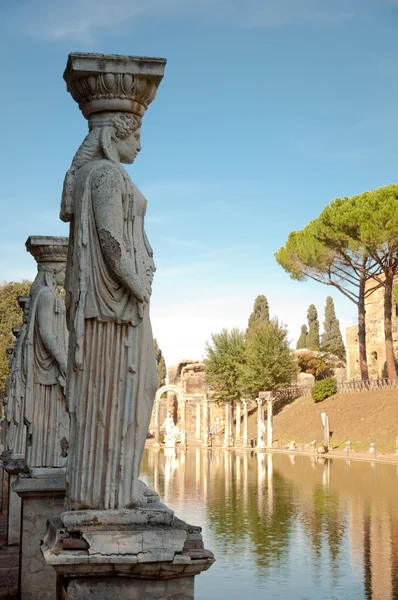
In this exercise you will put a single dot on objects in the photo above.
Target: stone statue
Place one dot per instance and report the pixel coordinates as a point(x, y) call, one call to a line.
point(171, 431)
point(112, 377)
point(46, 356)
point(261, 430)
point(16, 384)
point(10, 396)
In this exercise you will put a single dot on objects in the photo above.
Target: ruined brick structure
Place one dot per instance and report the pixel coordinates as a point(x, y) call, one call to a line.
point(375, 343)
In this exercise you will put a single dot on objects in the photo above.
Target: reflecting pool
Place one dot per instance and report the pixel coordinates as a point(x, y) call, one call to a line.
point(285, 526)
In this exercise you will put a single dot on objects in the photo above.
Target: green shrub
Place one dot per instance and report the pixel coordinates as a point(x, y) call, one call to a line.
point(324, 388)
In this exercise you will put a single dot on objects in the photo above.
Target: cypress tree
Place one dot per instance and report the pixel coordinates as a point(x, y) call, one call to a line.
point(260, 313)
point(332, 340)
point(302, 341)
point(313, 341)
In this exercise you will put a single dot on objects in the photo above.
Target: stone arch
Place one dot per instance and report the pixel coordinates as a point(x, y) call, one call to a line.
point(179, 398)
point(169, 388)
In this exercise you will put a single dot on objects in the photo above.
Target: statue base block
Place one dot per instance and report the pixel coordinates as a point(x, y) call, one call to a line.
point(42, 498)
point(143, 553)
point(13, 464)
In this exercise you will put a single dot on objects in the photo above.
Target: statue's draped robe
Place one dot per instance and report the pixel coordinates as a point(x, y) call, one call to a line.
point(45, 403)
point(19, 428)
point(112, 377)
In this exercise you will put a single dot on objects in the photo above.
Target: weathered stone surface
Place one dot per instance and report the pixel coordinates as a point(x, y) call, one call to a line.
point(14, 513)
point(38, 580)
point(45, 355)
point(116, 588)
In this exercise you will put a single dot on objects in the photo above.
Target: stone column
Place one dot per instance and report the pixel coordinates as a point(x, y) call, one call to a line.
point(183, 422)
point(205, 422)
point(238, 419)
point(228, 439)
point(157, 423)
point(260, 424)
point(269, 423)
point(198, 426)
point(116, 540)
point(245, 424)
point(268, 397)
point(260, 408)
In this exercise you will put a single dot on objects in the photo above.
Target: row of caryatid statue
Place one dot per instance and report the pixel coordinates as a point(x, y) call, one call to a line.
point(37, 420)
point(88, 408)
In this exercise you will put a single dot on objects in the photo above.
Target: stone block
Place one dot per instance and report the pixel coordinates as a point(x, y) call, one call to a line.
point(115, 588)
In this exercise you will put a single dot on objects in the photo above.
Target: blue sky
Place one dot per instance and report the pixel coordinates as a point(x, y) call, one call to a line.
point(268, 110)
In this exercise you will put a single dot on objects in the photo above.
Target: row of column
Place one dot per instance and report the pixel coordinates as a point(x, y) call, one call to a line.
point(241, 438)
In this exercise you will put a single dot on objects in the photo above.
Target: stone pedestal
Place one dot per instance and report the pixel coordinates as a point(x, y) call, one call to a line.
point(14, 513)
point(130, 554)
point(14, 465)
point(43, 498)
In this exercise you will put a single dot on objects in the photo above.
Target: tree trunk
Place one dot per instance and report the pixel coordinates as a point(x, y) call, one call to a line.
point(390, 359)
point(363, 362)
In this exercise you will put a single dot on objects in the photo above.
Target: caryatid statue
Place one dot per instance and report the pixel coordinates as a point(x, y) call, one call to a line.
point(16, 387)
point(45, 356)
point(112, 377)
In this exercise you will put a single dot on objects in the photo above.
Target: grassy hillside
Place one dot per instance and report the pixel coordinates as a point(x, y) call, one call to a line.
point(360, 417)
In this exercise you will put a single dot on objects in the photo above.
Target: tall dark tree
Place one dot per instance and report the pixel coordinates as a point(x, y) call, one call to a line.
point(313, 341)
point(10, 316)
point(260, 313)
point(302, 341)
point(332, 340)
point(160, 364)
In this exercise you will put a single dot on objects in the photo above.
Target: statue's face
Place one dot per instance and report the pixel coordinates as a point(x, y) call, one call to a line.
point(129, 147)
point(60, 277)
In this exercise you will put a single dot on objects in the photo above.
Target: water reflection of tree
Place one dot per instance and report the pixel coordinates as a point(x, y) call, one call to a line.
point(233, 520)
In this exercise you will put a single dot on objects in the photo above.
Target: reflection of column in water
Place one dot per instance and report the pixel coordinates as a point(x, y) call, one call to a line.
point(260, 481)
point(197, 468)
point(313, 462)
point(205, 457)
point(171, 464)
point(181, 475)
point(356, 521)
point(227, 470)
point(238, 472)
point(155, 454)
point(326, 474)
point(270, 481)
point(245, 481)
point(292, 458)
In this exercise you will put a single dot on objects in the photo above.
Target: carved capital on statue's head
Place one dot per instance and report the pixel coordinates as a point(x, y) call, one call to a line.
point(109, 82)
point(22, 300)
point(47, 249)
